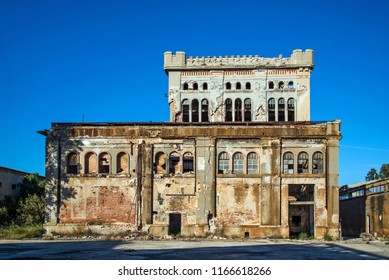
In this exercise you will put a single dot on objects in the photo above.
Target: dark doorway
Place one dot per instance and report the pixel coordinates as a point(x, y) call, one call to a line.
point(174, 224)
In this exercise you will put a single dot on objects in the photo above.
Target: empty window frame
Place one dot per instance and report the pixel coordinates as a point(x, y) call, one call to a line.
point(204, 110)
point(188, 162)
point(90, 163)
point(122, 163)
point(237, 163)
point(288, 163)
point(252, 163)
point(195, 86)
point(302, 163)
point(271, 85)
point(281, 110)
point(104, 163)
point(281, 85)
point(238, 110)
point(238, 86)
point(223, 163)
point(317, 163)
point(272, 109)
point(195, 110)
point(185, 86)
point(228, 104)
point(160, 163)
point(248, 86)
point(228, 86)
point(290, 84)
point(174, 163)
point(291, 110)
point(185, 110)
point(205, 86)
point(247, 110)
point(72, 163)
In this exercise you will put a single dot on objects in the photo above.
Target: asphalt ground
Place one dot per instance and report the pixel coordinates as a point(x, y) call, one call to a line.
point(192, 250)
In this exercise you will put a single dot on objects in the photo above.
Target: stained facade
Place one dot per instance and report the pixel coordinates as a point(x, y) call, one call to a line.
point(239, 157)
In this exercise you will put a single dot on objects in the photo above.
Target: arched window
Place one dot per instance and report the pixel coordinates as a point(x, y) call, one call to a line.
point(238, 85)
point(237, 161)
point(122, 163)
point(288, 163)
point(72, 163)
point(247, 110)
point(238, 110)
point(204, 110)
point(195, 86)
point(252, 163)
point(271, 85)
point(188, 162)
point(272, 110)
point(223, 163)
point(160, 163)
point(281, 85)
point(248, 85)
point(302, 163)
point(195, 110)
point(205, 86)
point(228, 86)
point(290, 84)
point(185, 86)
point(317, 163)
point(185, 110)
point(291, 109)
point(174, 163)
point(281, 110)
point(104, 163)
point(228, 116)
point(90, 163)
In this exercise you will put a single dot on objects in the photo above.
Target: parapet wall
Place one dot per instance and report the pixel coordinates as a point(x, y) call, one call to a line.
point(179, 61)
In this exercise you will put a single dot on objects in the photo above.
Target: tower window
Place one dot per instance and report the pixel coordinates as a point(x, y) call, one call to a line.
point(195, 110)
point(228, 86)
point(281, 110)
point(302, 163)
point(238, 110)
point(272, 110)
point(223, 163)
point(247, 110)
point(288, 163)
point(237, 163)
point(238, 85)
point(248, 85)
point(228, 116)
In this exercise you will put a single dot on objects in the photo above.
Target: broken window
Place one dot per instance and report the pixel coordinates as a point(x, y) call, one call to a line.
point(205, 86)
point(290, 84)
point(228, 117)
point(160, 163)
point(248, 85)
point(272, 110)
point(302, 163)
point(122, 163)
point(204, 110)
point(238, 85)
point(288, 163)
point(185, 86)
point(247, 110)
point(301, 192)
point(238, 110)
point(317, 163)
point(174, 166)
point(237, 160)
point(104, 162)
point(72, 163)
point(281, 110)
point(271, 85)
point(223, 163)
point(195, 86)
point(291, 109)
point(185, 110)
point(195, 110)
point(188, 162)
point(228, 86)
point(90, 163)
point(281, 85)
point(252, 163)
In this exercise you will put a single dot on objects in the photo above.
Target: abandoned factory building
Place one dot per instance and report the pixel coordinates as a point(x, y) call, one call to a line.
point(239, 157)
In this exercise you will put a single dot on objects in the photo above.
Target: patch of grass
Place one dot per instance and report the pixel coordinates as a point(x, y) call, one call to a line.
point(327, 237)
point(21, 232)
point(305, 236)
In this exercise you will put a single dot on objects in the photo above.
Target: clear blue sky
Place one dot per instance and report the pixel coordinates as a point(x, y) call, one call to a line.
point(104, 59)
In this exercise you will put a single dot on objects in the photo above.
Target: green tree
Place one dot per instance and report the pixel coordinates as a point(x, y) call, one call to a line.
point(31, 184)
point(384, 171)
point(31, 210)
point(372, 175)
